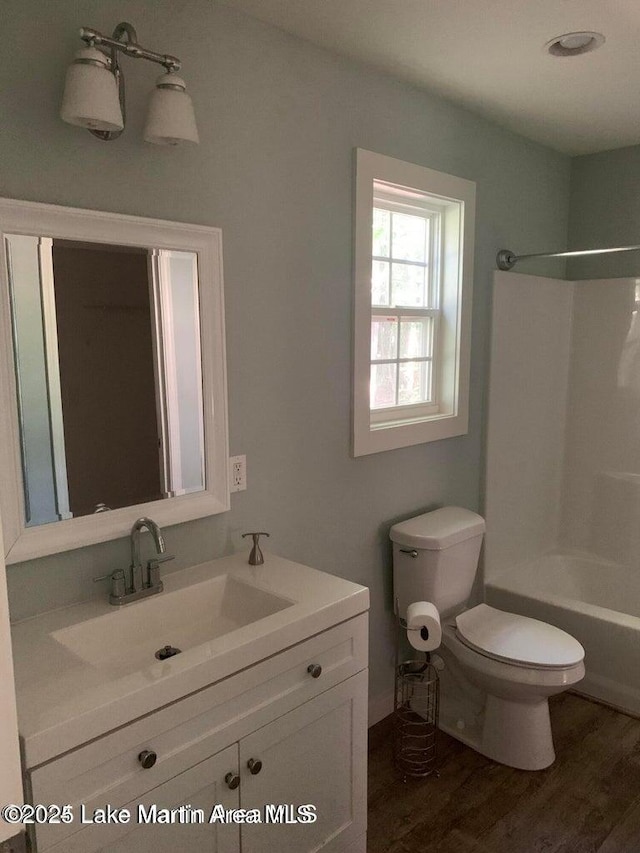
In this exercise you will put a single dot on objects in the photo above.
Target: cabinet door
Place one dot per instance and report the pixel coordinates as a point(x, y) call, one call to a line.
point(202, 787)
point(315, 755)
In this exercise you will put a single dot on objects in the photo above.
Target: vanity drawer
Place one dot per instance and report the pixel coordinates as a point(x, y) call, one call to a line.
point(190, 730)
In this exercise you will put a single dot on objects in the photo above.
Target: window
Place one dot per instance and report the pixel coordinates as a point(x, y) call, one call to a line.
point(413, 280)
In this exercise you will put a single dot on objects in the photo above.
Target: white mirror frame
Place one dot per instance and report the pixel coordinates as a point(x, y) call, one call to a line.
point(19, 217)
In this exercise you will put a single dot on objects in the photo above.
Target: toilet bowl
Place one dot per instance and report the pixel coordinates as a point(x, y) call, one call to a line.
point(526, 662)
point(505, 666)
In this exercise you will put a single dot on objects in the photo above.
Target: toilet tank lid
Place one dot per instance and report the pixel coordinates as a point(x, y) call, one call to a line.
point(439, 529)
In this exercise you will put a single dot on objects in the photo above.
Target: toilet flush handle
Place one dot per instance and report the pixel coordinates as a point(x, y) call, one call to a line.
point(410, 551)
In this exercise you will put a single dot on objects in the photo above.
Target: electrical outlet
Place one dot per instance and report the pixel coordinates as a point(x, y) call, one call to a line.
point(238, 473)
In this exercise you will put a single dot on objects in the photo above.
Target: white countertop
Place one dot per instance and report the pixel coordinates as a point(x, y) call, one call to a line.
point(64, 701)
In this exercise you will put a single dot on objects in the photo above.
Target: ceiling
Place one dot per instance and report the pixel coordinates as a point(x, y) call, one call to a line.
point(489, 56)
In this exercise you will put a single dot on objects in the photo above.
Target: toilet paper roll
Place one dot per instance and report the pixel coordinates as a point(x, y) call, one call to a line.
point(424, 631)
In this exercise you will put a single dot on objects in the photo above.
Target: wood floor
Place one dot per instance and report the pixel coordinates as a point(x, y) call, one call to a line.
point(588, 801)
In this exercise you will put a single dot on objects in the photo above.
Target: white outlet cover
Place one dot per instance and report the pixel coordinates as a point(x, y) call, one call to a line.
point(237, 473)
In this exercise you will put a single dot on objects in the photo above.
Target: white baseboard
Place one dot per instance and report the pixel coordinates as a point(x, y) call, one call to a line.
point(380, 707)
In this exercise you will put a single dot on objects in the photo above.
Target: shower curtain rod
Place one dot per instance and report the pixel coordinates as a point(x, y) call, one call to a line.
point(506, 260)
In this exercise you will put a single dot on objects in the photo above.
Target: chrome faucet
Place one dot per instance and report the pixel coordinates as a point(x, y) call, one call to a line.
point(139, 586)
point(142, 586)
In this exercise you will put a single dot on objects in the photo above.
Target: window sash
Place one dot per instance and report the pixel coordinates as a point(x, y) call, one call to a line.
point(432, 295)
point(394, 415)
point(409, 410)
point(433, 263)
point(403, 311)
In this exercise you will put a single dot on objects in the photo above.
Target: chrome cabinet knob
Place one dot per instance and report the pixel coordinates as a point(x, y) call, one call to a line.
point(232, 780)
point(147, 758)
point(314, 670)
point(254, 765)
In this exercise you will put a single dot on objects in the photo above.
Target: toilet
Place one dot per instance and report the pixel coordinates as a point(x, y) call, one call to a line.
point(498, 669)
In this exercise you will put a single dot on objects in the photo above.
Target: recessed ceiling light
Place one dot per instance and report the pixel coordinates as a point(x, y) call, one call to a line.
point(573, 44)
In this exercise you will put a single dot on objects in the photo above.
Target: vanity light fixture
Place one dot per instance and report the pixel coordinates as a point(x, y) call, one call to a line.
point(94, 90)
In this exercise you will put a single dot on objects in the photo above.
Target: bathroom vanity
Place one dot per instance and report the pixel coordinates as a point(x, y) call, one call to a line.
point(264, 709)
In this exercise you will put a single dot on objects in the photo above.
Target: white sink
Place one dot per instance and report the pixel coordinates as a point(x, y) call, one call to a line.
point(91, 667)
point(127, 639)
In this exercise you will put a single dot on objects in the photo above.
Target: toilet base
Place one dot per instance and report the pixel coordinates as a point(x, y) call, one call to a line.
point(518, 734)
point(513, 733)
point(513, 728)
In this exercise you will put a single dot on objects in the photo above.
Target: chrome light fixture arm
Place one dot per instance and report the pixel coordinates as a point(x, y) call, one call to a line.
point(130, 46)
point(124, 39)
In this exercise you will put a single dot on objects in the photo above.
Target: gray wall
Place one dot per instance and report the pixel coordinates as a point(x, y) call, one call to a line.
point(278, 120)
point(605, 211)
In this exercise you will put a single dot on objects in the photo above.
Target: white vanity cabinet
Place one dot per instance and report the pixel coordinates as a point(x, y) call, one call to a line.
point(314, 755)
point(198, 788)
point(290, 731)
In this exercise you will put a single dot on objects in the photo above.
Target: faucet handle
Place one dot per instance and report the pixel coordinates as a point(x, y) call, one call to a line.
point(256, 557)
point(153, 569)
point(118, 585)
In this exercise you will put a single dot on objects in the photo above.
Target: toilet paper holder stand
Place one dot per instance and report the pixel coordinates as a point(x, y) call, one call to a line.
point(416, 709)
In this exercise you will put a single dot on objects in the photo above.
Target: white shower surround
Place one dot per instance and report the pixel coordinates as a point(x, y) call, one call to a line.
point(562, 499)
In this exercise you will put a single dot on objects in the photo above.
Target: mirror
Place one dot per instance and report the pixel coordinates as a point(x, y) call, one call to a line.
point(115, 377)
point(108, 374)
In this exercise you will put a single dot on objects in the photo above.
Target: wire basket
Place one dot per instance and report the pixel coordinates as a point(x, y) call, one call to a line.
point(415, 718)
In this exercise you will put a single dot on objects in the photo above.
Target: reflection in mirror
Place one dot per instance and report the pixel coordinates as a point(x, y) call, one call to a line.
point(109, 375)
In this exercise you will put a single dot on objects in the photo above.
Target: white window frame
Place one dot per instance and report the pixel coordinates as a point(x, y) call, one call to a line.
point(452, 201)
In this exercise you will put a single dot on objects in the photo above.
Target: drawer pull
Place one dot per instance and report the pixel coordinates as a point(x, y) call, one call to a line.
point(232, 780)
point(147, 758)
point(254, 765)
point(314, 670)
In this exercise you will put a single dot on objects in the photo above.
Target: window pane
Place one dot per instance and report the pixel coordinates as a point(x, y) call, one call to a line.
point(409, 237)
point(416, 338)
point(415, 382)
point(408, 285)
point(384, 338)
point(380, 283)
point(383, 385)
point(381, 225)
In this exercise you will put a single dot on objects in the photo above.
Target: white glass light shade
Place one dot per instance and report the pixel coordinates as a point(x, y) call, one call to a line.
point(91, 93)
point(171, 119)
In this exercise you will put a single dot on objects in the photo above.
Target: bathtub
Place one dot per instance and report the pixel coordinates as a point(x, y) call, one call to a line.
point(598, 603)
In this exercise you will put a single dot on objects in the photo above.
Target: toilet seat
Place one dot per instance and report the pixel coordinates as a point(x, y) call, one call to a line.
point(518, 640)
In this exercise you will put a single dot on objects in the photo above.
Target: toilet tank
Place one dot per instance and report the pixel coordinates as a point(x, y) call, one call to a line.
point(435, 558)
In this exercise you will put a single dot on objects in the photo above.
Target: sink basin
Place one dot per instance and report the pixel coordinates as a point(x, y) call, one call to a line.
point(89, 668)
point(127, 639)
